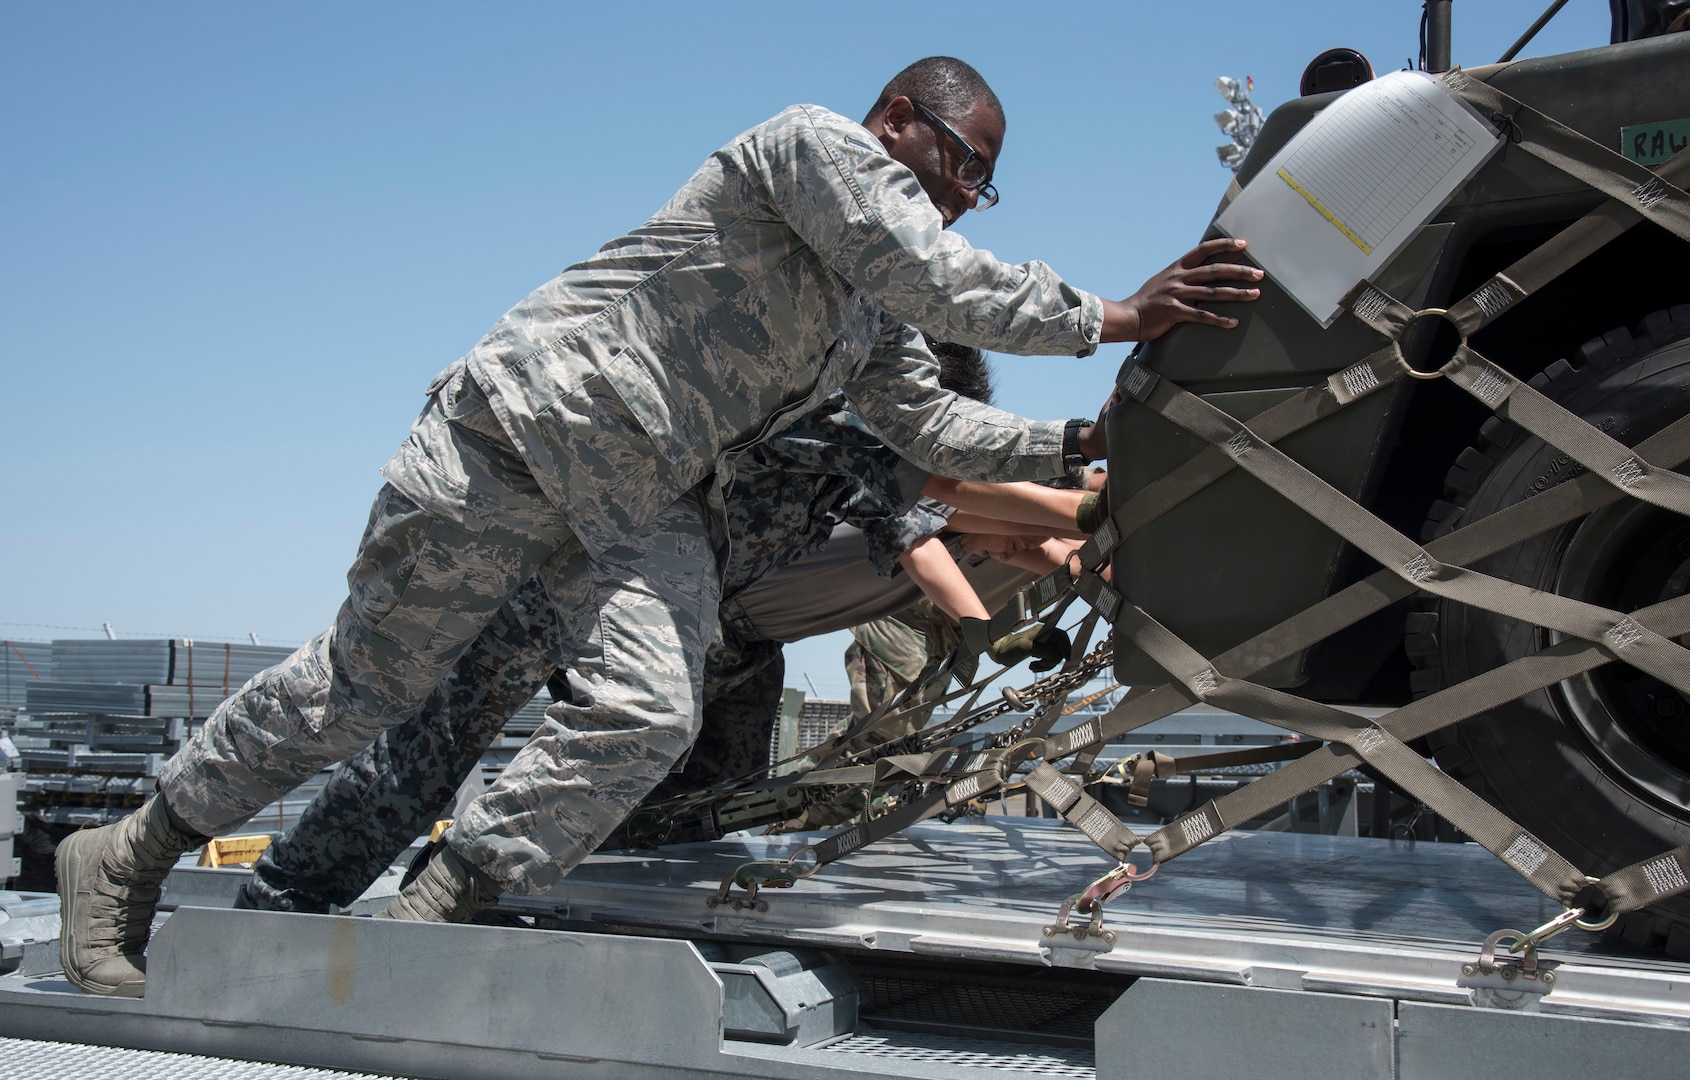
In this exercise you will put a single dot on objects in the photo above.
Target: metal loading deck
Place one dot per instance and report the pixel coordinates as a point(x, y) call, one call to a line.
point(1260, 954)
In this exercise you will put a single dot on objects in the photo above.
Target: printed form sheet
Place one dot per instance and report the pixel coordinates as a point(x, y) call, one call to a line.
point(1350, 189)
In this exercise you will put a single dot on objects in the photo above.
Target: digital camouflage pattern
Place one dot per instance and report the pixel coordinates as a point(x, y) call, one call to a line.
point(782, 504)
point(887, 656)
point(789, 491)
point(783, 271)
point(382, 798)
point(428, 579)
point(794, 263)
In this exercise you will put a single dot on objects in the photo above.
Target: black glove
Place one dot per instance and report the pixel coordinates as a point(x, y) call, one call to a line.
point(1048, 646)
point(1051, 647)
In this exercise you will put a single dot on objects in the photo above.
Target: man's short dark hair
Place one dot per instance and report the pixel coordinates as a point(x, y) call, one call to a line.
point(948, 86)
point(963, 369)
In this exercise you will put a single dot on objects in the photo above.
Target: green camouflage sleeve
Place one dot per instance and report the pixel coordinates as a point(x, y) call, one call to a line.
point(868, 219)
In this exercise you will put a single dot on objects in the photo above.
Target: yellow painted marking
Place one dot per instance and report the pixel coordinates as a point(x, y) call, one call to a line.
point(1324, 212)
point(230, 850)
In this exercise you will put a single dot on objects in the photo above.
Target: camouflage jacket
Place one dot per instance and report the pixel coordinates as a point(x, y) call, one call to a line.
point(794, 263)
point(789, 491)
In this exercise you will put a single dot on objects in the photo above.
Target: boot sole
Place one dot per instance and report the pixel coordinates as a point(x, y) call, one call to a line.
point(67, 861)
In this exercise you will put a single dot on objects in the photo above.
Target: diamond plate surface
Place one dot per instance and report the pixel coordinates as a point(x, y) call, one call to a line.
point(927, 1048)
point(31, 1059)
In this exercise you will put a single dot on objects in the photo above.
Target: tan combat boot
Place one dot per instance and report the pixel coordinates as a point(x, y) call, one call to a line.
point(449, 889)
point(109, 882)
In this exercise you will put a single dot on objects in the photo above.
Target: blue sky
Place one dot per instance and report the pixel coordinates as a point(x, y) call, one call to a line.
point(236, 241)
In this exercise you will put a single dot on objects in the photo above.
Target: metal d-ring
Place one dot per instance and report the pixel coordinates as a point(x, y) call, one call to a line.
point(815, 863)
point(1413, 372)
point(1605, 922)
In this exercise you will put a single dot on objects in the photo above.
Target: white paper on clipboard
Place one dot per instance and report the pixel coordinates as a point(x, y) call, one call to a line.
point(1350, 189)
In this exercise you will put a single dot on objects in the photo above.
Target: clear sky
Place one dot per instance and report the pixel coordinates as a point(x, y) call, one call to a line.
point(237, 240)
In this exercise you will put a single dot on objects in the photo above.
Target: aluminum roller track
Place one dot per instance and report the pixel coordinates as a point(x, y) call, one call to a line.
point(1260, 954)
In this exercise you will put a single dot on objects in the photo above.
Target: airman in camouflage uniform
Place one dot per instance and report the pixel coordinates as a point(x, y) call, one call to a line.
point(785, 497)
point(886, 657)
point(578, 439)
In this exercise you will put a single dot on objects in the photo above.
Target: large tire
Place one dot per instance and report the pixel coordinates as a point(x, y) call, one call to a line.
point(1597, 766)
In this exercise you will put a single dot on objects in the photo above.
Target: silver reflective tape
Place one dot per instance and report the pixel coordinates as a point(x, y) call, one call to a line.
point(1138, 382)
point(1665, 875)
point(1097, 823)
point(963, 790)
point(1359, 379)
point(1045, 590)
point(1108, 603)
point(1205, 682)
point(1623, 633)
point(1491, 385)
point(1525, 854)
point(1060, 793)
point(1628, 472)
point(1084, 735)
point(1369, 304)
point(1420, 567)
point(1649, 192)
point(851, 839)
point(1106, 537)
point(1493, 298)
point(1196, 828)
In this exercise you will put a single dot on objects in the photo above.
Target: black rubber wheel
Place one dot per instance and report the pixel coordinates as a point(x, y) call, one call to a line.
point(1597, 766)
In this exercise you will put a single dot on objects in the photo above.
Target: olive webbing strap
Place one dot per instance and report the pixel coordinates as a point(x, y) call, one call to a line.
point(1156, 498)
point(842, 843)
point(983, 776)
point(1390, 317)
point(1167, 766)
point(940, 667)
point(1529, 856)
point(1084, 757)
point(1287, 417)
point(1643, 649)
point(1643, 883)
point(1554, 256)
point(1609, 172)
point(1560, 504)
point(1152, 766)
point(1602, 454)
point(1563, 660)
point(1052, 712)
point(1068, 797)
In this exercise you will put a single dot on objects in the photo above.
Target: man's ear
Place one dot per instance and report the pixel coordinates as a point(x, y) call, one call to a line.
point(898, 115)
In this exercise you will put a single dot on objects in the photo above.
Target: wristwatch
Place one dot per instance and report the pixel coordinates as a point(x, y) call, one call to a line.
point(1071, 456)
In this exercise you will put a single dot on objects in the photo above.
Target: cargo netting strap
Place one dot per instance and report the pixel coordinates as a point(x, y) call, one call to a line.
point(1593, 635)
point(1642, 637)
point(1651, 194)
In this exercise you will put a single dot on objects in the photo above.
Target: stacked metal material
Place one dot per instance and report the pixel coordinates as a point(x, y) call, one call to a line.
point(220, 666)
point(21, 663)
point(103, 717)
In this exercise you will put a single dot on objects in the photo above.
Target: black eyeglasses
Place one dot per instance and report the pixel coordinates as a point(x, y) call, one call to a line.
point(972, 171)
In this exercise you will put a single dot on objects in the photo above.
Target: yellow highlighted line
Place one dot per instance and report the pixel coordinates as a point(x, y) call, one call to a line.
point(1324, 212)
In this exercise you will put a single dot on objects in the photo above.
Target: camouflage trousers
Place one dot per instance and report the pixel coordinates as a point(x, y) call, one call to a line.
point(885, 658)
point(378, 802)
point(437, 562)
